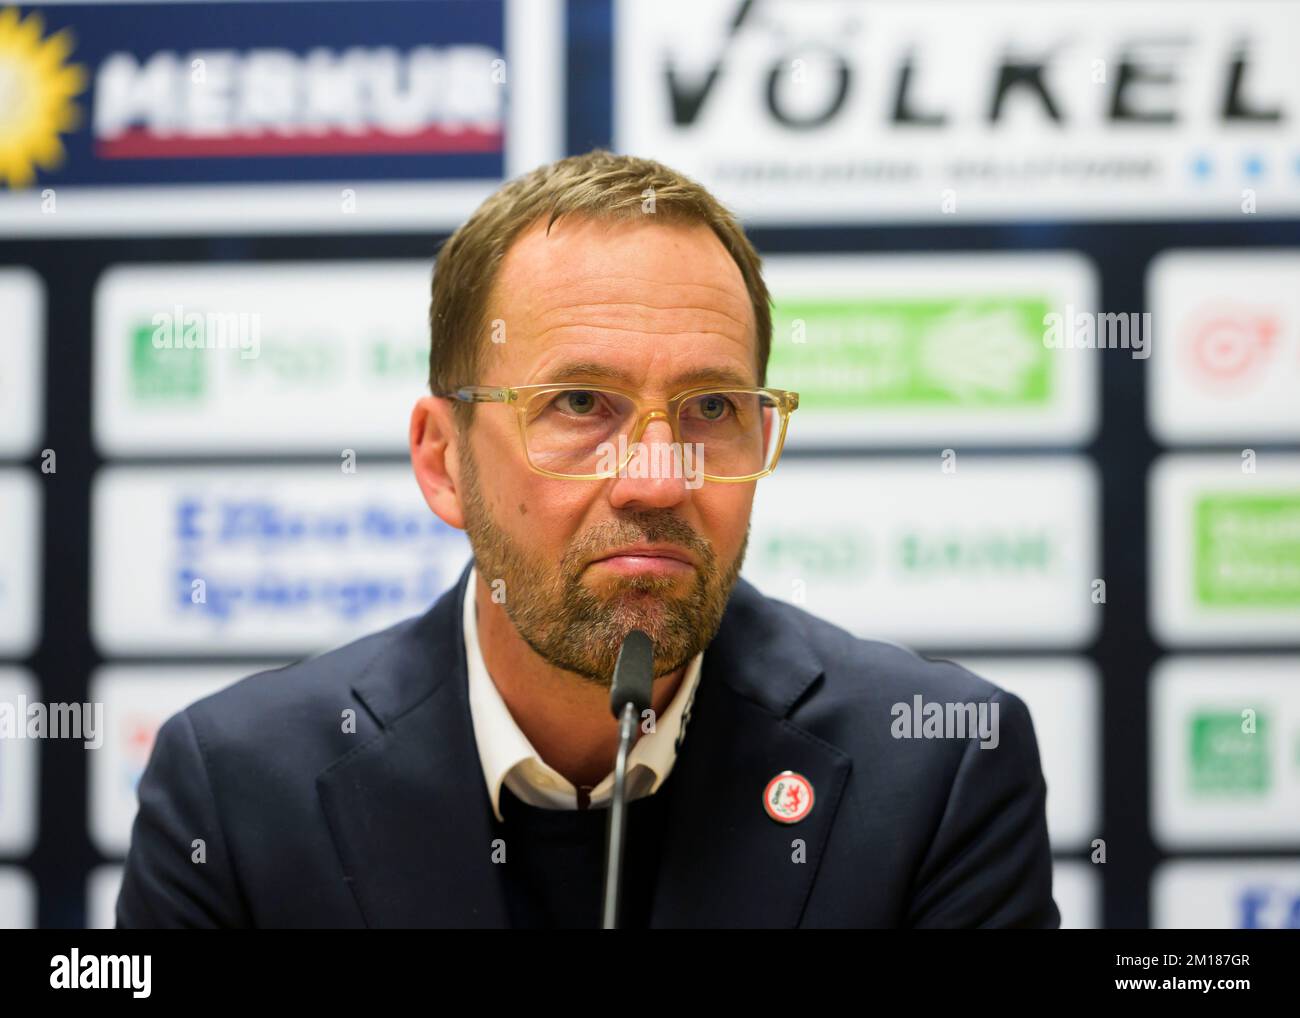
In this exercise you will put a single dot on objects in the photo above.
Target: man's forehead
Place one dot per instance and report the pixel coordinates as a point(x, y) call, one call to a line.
point(584, 259)
point(594, 294)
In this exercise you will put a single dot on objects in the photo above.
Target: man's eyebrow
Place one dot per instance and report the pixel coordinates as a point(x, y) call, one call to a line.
point(587, 371)
point(593, 371)
point(713, 376)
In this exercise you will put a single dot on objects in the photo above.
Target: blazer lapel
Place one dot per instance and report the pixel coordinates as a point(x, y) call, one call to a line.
point(725, 862)
point(411, 820)
point(407, 808)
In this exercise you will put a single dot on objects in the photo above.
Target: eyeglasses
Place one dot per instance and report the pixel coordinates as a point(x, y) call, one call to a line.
point(592, 432)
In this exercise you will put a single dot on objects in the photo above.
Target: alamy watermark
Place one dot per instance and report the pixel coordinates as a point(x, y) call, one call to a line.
point(946, 720)
point(75, 971)
point(178, 329)
point(1086, 330)
point(22, 720)
point(663, 459)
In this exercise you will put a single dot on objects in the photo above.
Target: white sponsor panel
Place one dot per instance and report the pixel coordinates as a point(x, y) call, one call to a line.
point(260, 559)
point(1250, 894)
point(1076, 888)
point(17, 899)
point(137, 700)
point(1224, 546)
point(1064, 699)
point(102, 888)
point(1226, 362)
point(999, 552)
point(841, 112)
point(22, 360)
point(20, 539)
point(1225, 751)
point(906, 348)
point(19, 764)
point(269, 357)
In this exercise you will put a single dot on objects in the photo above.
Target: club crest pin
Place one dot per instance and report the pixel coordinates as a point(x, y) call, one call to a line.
point(788, 797)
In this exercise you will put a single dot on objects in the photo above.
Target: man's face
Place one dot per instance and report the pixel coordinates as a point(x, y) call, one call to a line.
point(658, 309)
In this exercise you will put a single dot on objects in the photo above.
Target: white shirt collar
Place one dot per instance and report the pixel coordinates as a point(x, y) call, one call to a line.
point(509, 758)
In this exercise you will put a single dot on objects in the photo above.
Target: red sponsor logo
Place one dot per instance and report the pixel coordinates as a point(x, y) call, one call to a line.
point(1229, 347)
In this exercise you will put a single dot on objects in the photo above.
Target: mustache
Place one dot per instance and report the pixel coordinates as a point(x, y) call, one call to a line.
point(649, 527)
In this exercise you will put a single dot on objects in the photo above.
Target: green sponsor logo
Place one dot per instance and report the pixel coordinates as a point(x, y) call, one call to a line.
point(311, 362)
point(913, 554)
point(827, 553)
point(1225, 759)
point(976, 553)
point(389, 360)
point(164, 373)
point(1247, 550)
point(844, 355)
point(182, 374)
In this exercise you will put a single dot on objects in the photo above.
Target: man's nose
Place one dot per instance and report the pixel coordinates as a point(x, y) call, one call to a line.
point(655, 475)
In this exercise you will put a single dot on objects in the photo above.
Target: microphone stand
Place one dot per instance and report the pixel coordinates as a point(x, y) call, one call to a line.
point(617, 831)
point(630, 694)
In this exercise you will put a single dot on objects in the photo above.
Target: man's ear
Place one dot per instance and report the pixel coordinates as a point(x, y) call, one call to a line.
point(435, 458)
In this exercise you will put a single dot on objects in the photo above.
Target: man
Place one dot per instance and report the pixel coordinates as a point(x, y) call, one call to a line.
point(598, 425)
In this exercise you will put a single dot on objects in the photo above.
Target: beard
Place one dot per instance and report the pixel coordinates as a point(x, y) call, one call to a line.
point(576, 628)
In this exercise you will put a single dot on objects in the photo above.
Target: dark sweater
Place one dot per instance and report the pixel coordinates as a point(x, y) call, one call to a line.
point(553, 875)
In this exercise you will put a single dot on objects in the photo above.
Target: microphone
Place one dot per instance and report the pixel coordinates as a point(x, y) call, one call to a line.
point(633, 674)
point(630, 695)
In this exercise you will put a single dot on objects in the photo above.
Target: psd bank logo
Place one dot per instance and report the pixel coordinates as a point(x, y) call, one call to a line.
point(37, 88)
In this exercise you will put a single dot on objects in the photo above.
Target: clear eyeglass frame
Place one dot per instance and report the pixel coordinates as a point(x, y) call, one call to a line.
point(520, 397)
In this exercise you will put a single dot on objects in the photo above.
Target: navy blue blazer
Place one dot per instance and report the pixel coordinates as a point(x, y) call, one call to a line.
point(306, 825)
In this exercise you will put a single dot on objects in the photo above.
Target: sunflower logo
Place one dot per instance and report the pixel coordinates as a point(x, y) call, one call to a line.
point(36, 92)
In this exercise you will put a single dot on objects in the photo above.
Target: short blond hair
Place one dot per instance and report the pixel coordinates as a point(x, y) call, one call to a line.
point(599, 185)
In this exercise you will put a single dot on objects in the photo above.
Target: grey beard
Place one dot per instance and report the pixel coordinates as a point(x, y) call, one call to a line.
point(572, 627)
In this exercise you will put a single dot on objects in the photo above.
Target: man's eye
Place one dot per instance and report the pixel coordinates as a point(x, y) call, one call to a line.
point(712, 408)
point(580, 402)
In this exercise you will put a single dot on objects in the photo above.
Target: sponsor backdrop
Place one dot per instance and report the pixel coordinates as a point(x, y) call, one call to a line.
point(1036, 272)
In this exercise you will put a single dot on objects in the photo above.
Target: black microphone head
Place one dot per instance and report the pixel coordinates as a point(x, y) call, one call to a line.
point(633, 674)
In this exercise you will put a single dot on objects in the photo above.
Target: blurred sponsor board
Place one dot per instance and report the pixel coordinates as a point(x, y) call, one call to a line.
point(262, 559)
point(917, 349)
point(22, 364)
point(19, 764)
point(841, 112)
point(1225, 751)
point(1226, 362)
point(999, 552)
point(203, 117)
point(260, 358)
point(17, 899)
point(1225, 549)
point(1245, 894)
point(20, 539)
point(1076, 889)
point(102, 888)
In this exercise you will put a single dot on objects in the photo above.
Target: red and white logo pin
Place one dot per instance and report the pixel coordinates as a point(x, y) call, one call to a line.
point(788, 797)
